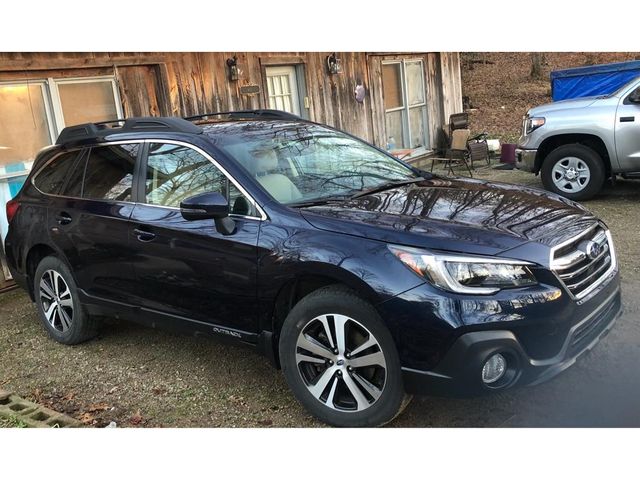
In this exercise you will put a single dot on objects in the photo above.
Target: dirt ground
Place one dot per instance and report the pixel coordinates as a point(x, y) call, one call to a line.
point(143, 377)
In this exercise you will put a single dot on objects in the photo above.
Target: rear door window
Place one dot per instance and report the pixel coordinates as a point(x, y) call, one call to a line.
point(53, 176)
point(109, 172)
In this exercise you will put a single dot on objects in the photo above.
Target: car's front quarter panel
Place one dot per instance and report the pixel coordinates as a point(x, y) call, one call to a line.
point(290, 249)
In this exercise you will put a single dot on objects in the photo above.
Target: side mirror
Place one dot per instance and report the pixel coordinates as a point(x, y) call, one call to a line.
point(209, 205)
point(634, 97)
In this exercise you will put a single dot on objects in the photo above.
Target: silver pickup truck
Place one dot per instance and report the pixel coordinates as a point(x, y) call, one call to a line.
point(578, 144)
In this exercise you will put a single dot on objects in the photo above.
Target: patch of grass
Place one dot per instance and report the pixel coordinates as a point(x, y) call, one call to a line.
point(12, 422)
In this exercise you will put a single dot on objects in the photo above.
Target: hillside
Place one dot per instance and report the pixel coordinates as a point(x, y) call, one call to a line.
point(501, 90)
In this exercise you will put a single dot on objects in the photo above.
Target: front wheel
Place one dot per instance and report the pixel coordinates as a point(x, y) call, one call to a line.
point(340, 360)
point(574, 171)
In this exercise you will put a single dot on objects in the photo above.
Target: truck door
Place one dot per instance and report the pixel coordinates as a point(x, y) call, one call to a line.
point(627, 132)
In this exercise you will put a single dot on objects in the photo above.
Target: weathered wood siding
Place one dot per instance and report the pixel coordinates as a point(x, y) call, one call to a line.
point(192, 83)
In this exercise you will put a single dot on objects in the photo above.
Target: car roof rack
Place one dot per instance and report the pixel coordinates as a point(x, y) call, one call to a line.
point(98, 130)
point(263, 114)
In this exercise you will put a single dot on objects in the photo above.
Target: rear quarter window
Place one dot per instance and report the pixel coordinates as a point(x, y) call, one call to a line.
point(52, 177)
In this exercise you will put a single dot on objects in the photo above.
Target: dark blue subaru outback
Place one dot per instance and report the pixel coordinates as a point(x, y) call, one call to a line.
point(365, 279)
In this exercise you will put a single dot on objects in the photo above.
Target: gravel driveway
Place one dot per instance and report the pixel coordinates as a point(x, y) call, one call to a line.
point(142, 377)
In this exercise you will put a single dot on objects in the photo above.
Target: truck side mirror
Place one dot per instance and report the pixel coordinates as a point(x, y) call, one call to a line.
point(634, 97)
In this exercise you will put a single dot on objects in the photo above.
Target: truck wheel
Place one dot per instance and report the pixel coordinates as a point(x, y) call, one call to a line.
point(340, 360)
point(573, 171)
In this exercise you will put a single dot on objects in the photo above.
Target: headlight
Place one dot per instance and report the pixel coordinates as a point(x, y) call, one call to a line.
point(531, 123)
point(465, 274)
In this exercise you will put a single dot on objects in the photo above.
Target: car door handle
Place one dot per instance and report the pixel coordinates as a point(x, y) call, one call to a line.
point(63, 218)
point(627, 119)
point(144, 235)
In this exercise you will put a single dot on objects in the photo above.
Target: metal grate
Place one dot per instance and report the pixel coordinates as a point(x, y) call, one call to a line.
point(585, 261)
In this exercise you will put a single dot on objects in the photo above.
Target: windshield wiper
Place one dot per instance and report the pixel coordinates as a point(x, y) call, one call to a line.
point(388, 186)
point(320, 201)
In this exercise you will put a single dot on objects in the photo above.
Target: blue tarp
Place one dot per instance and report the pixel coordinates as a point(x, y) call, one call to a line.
point(592, 80)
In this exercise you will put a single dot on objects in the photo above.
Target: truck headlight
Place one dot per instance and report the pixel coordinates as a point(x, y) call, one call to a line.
point(531, 123)
point(466, 274)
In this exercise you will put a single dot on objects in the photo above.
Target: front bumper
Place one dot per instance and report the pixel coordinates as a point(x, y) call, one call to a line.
point(526, 160)
point(459, 371)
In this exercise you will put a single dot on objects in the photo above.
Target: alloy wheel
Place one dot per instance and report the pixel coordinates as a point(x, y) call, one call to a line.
point(341, 363)
point(56, 300)
point(571, 174)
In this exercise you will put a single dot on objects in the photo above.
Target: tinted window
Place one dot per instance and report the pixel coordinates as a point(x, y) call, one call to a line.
point(175, 172)
point(73, 187)
point(52, 177)
point(109, 172)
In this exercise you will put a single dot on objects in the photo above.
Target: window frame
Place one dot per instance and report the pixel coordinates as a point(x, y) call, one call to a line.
point(140, 179)
point(50, 120)
point(56, 101)
point(406, 107)
point(53, 105)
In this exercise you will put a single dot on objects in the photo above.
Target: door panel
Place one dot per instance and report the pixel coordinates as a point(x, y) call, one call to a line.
point(93, 236)
point(628, 136)
point(89, 223)
point(187, 268)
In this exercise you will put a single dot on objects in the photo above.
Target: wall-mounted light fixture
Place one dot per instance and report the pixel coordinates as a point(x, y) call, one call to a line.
point(334, 64)
point(234, 71)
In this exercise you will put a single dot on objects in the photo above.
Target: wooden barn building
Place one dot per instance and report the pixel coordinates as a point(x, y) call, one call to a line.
point(398, 101)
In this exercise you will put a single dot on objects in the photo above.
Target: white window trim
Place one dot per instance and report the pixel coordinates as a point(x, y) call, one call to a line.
point(49, 119)
point(57, 102)
point(53, 107)
point(406, 117)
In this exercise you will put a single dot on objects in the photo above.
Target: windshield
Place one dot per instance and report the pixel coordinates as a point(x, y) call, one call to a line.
point(300, 162)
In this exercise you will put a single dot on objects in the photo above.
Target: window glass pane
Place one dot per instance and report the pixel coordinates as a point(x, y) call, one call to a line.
point(87, 102)
point(76, 175)
point(394, 129)
point(416, 119)
point(392, 85)
point(109, 172)
point(24, 129)
point(415, 82)
point(175, 173)
point(51, 178)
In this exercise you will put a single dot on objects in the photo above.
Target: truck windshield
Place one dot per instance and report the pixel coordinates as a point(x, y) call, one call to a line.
point(300, 162)
point(623, 88)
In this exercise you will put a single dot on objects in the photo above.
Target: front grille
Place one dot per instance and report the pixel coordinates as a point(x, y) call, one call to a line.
point(585, 261)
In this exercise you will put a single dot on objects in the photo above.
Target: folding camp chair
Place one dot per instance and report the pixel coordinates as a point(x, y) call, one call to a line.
point(458, 150)
point(478, 149)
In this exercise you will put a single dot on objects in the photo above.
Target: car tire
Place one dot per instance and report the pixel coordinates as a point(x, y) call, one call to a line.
point(58, 304)
point(360, 385)
point(574, 171)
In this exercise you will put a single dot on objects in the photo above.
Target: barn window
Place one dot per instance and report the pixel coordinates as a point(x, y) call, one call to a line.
point(33, 114)
point(405, 104)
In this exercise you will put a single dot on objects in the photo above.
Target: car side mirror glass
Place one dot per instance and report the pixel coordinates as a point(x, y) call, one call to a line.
point(209, 205)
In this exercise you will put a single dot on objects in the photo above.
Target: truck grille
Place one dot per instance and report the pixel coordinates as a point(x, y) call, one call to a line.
point(585, 261)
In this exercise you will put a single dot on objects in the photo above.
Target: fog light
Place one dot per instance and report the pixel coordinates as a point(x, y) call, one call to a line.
point(494, 369)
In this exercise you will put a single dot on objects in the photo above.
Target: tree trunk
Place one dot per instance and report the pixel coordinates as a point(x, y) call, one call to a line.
point(537, 59)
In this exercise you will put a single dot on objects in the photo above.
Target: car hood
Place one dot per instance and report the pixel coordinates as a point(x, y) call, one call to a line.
point(456, 215)
point(562, 105)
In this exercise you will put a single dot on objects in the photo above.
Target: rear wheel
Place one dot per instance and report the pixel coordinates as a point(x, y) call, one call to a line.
point(59, 307)
point(574, 171)
point(340, 360)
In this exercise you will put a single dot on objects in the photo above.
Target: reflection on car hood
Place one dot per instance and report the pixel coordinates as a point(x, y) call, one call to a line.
point(461, 215)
